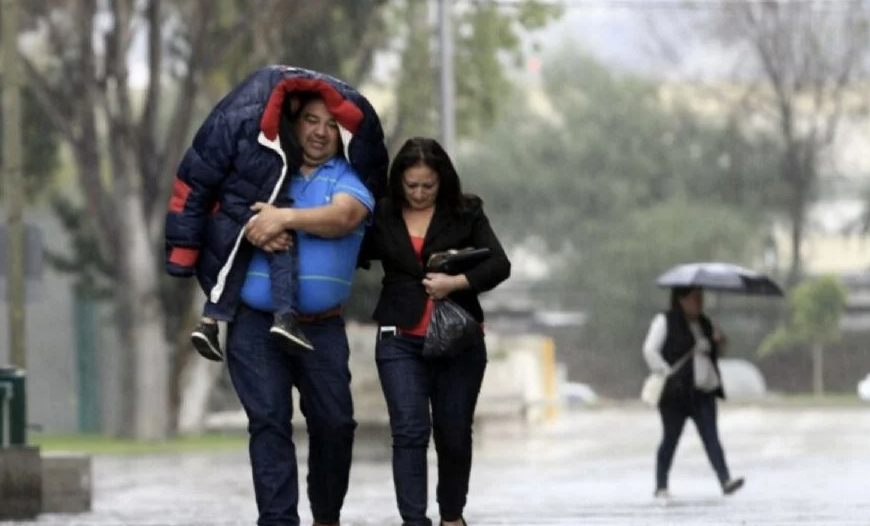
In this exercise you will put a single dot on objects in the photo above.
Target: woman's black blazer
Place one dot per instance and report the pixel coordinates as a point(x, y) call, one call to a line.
point(403, 299)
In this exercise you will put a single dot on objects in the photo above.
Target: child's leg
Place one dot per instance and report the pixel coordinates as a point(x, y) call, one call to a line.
point(205, 336)
point(212, 312)
point(282, 273)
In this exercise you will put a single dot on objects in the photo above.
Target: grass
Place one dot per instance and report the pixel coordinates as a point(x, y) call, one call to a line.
point(810, 400)
point(772, 400)
point(108, 445)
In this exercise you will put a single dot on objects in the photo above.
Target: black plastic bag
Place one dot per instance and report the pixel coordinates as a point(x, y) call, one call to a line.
point(452, 331)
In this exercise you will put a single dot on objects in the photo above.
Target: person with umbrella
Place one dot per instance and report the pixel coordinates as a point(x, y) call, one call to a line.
point(684, 345)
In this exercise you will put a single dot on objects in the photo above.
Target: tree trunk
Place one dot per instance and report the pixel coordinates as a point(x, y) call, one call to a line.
point(193, 378)
point(197, 383)
point(794, 175)
point(142, 326)
point(818, 369)
point(797, 237)
point(184, 352)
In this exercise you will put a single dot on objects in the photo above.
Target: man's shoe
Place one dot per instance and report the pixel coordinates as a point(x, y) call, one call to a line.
point(731, 486)
point(287, 329)
point(205, 340)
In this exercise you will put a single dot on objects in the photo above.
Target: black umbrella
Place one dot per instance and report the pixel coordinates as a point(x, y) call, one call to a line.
point(720, 277)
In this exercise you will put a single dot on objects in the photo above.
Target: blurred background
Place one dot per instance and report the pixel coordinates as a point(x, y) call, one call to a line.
point(609, 139)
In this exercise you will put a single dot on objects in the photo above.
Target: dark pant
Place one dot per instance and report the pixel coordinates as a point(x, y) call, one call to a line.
point(702, 409)
point(263, 374)
point(411, 385)
point(282, 279)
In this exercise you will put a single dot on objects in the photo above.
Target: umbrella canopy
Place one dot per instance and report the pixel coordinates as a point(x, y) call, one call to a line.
point(721, 277)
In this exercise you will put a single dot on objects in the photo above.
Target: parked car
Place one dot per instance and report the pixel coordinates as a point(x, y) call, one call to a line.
point(864, 388)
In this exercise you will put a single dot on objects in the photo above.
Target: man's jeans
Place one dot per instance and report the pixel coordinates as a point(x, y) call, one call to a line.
point(263, 374)
point(411, 383)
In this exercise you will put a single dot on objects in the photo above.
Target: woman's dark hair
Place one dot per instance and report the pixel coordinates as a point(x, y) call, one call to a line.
point(425, 151)
point(676, 294)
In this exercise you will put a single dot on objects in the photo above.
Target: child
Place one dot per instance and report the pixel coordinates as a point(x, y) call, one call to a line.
point(282, 272)
point(282, 267)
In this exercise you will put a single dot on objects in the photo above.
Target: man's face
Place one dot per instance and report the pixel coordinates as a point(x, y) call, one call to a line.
point(317, 133)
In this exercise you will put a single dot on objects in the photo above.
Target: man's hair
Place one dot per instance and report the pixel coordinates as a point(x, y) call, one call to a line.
point(300, 100)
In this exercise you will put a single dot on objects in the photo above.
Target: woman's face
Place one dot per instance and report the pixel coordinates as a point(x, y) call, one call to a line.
point(421, 187)
point(693, 303)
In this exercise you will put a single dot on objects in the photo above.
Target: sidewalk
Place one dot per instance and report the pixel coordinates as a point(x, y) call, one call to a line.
point(803, 466)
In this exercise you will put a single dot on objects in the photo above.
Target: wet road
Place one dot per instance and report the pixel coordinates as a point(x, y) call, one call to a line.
point(803, 466)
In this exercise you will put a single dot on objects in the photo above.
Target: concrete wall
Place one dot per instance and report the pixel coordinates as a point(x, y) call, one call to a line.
point(52, 376)
point(521, 382)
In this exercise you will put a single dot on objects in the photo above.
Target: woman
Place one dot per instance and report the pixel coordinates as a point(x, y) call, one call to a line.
point(693, 383)
point(426, 212)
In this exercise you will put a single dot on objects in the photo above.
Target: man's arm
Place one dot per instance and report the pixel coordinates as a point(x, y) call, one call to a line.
point(337, 219)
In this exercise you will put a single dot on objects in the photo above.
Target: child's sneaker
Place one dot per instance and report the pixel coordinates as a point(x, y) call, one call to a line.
point(205, 340)
point(287, 328)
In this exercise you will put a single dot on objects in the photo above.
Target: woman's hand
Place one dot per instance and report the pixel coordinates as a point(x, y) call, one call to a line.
point(438, 286)
point(718, 337)
point(720, 340)
point(265, 226)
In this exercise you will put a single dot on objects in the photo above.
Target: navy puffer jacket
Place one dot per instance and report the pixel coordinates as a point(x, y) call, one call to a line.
point(236, 159)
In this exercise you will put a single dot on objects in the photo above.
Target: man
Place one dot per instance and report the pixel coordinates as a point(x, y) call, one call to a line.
point(239, 145)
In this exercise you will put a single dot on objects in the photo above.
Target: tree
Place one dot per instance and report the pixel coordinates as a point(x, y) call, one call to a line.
point(487, 44)
point(40, 141)
point(122, 153)
point(609, 146)
point(798, 68)
point(618, 184)
point(126, 141)
point(816, 307)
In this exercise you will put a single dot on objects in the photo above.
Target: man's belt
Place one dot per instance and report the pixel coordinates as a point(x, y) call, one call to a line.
point(320, 316)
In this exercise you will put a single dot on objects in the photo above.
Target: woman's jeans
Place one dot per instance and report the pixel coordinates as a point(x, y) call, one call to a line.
point(701, 407)
point(449, 387)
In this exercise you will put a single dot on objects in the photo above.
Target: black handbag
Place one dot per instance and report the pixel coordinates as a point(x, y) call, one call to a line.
point(456, 261)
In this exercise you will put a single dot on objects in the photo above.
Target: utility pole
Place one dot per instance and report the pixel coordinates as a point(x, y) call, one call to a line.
point(14, 187)
point(448, 91)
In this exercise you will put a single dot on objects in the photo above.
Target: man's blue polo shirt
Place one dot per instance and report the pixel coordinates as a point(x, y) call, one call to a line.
point(325, 265)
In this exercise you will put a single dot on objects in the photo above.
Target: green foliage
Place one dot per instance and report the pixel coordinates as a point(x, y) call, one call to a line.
point(816, 307)
point(338, 37)
point(617, 275)
point(487, 42)
point(487, 38)
point(608, 147)
point(81, 256)
point(618, 186)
